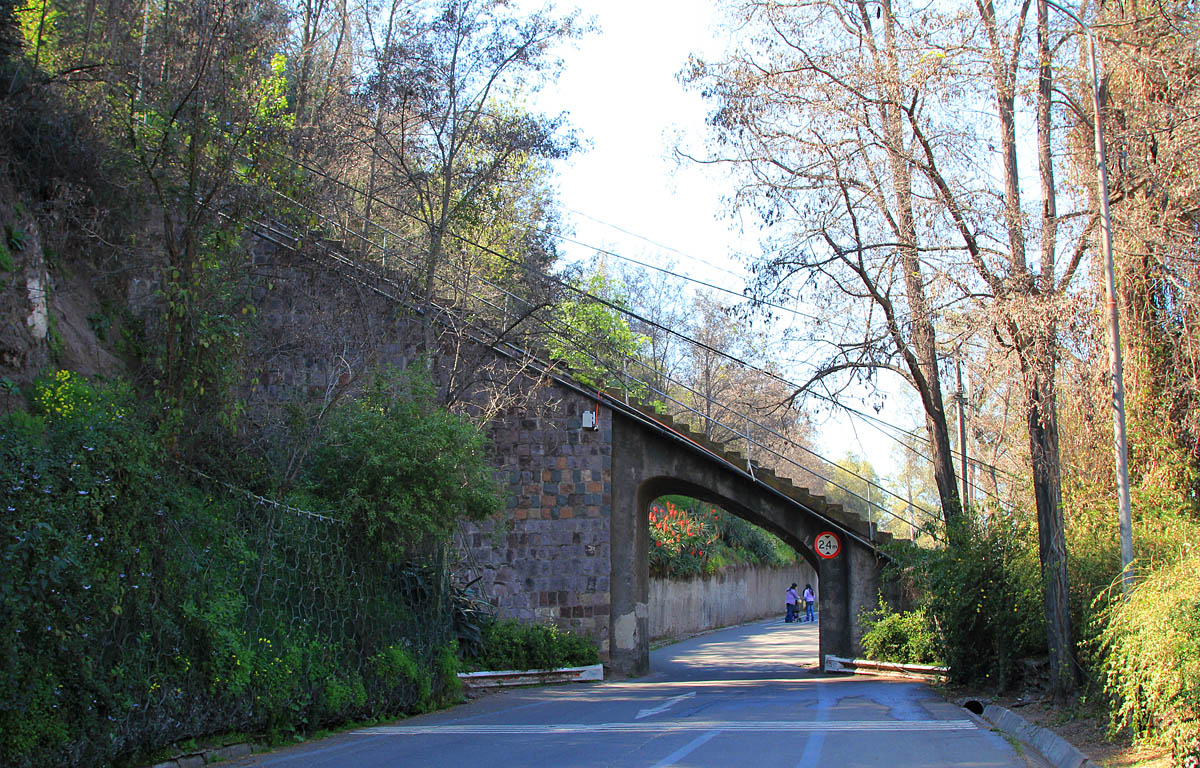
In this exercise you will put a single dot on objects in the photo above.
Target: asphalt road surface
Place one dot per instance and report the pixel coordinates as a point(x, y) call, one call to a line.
point(735, 697)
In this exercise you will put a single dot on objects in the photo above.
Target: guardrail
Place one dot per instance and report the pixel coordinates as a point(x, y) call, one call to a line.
point(926, 672)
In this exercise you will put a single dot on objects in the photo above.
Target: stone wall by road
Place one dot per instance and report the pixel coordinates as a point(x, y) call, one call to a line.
point(548, 558)
point(680, 607)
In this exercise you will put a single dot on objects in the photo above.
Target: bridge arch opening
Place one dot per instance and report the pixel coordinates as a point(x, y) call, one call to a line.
point(687, 535)
point(658, 487)
point(649, 461)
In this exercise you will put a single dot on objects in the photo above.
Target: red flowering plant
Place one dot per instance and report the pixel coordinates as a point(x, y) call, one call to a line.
point(681, 541)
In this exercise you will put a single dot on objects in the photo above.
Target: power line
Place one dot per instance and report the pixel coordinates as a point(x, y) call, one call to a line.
point(583, 348)
point(643, 238)
point(624, 310)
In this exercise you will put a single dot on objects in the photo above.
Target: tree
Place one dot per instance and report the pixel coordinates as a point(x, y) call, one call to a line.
point(711, 374)
point(852, 146)
point(457, 131)
point(591, 334)
point(908, 518)
point(816, 133)
point(656, 296)
point(201, 127)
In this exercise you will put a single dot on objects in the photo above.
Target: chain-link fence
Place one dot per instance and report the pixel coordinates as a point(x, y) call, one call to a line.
point(206, 611)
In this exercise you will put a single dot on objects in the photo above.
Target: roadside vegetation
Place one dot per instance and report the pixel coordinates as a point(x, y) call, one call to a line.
point(212, 526)
point(691, 538)
point(508, 644)
point(976, 608)
point(144, 603)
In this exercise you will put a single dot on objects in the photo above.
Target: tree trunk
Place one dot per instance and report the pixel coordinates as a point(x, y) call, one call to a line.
point(924, 337)
point(1052, 547)
point(1043, 419)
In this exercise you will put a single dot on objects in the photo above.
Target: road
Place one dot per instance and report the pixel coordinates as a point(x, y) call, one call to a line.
point(739, 696)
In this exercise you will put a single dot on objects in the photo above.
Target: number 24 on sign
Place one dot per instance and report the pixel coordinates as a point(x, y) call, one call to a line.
point(828, 545)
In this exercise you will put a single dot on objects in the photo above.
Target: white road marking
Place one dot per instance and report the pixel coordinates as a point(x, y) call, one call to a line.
point(811, 756)
point(665, 705)
point(685, 750)
point(782, 726)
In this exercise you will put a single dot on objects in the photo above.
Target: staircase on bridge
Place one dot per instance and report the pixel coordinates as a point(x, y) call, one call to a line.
point(738, 460)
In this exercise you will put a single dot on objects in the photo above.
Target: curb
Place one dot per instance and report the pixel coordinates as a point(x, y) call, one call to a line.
point(203, 758)
point(926, 672)
point(509, 677)
point(470, 680)
point(1058, 751)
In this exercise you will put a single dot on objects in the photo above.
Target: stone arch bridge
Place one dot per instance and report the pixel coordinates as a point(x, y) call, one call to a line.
point(581, 473)
point(572, 545)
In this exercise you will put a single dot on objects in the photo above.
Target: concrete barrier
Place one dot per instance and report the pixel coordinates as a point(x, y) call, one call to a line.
point(891, 668)
point(503, 678)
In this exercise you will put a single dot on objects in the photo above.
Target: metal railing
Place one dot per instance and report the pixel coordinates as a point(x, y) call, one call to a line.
point(872, 502)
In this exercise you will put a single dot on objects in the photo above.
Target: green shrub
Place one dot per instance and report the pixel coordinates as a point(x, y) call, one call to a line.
point(395, 666)
point(906, 638)
point(984, 595)
point(511, 644)
point(447, 666)
point(401, 469)
point(1151, 659)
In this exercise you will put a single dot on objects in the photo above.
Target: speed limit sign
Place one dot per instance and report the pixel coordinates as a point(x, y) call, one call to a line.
point(828, 545)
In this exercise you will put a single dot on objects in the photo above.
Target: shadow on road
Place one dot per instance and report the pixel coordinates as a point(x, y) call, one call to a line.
point(764, 648)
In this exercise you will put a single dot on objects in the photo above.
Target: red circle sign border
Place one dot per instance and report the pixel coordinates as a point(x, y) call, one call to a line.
point(836, 538)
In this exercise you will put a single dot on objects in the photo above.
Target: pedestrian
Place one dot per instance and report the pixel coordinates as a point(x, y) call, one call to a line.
point(790, 600)
point(809, 599)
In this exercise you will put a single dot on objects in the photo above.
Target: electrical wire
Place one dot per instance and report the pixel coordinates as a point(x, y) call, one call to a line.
point(610, 305)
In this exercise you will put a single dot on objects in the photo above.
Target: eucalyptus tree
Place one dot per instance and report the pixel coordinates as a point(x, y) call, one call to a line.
point(458, 131)
point(882, 144)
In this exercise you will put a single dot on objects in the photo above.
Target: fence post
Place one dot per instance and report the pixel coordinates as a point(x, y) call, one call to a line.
point(749, 464)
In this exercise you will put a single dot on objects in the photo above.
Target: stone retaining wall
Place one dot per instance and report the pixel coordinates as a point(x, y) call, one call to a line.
point(548, 558)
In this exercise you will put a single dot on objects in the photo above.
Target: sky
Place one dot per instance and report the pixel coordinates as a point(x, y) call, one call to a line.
point(626, 192)
point(620, 92)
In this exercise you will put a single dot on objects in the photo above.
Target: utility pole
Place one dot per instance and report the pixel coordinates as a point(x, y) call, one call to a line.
point(1120, 449)
point(962, 436)
point(1120, 443)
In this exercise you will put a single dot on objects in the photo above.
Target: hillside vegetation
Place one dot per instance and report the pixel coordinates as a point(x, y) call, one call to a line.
point(222, 512)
